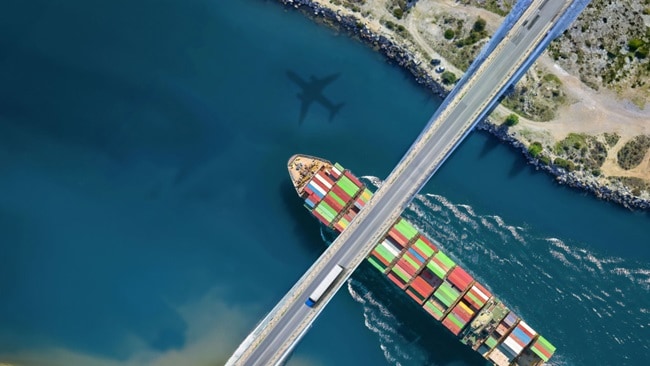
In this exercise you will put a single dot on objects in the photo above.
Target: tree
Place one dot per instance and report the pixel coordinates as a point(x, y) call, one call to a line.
point(450, 34)
point(479, 25)
point(535, 149)
point(512, 120)
point(448, 77)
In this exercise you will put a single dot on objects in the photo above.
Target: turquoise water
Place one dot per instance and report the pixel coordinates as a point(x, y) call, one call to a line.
point(146, 216)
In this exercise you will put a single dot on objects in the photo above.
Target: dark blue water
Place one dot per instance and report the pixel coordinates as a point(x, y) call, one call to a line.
point(146, 217)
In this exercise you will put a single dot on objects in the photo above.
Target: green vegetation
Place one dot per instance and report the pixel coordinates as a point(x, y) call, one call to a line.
point(567, 165)
point(633, 152)
point(634, 44)
point(574, 141)
point(448, 77)
point(582, 151)
point(477, 33)
point(450, 34)
point(552, 78)
point(511, 120)
point(544, 159)
point(398, 13)
point(535, 149)
point(611, 138)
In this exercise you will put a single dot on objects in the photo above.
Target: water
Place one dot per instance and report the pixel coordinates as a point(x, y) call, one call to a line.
point(146, 216)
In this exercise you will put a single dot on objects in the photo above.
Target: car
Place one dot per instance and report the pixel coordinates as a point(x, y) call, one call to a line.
point(435, 62)
point(440, 69)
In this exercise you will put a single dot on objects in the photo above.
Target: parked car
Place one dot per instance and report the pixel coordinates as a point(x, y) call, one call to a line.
point(440, 69)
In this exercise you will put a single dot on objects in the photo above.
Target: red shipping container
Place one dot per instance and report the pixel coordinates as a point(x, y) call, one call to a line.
point(451, 326)
point(459, 278)
point(398, 281)
point(353, 179)
point(333, 204)
point(341, 193)
point(314, 198)
point(407, 267)
point(379, 257)
point(422, 287)
point(472, 304)
point(320, 217)
point(338, 227)
point(415, 297)
point(399, 238)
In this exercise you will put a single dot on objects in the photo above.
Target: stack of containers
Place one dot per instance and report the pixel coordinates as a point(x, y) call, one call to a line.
point(461, 314)
point(406, 229)
point(325, 213)
point(517, 340)
point(443, 299)
point(439, 265)
point(501, 353)
point(347, 185)
point(543, 348)
point(383, 255)
point(477, 296)
point(422, 286)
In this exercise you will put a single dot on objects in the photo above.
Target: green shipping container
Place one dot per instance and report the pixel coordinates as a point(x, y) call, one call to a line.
point(377, 264)
point(406, 229)
point(339, 167)
point(435, 268)
point(491, 342)
point(410, 260)
point(442, 257)
point(434, 309)
point(388, 256)
point(401, 274)
point(337, 198)
point(455, 320)
point(424, 248)
point(324, 212)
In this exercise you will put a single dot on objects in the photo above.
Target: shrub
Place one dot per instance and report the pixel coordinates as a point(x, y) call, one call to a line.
point(479, 25)
point(611, 138)
point(448, 77)
point(567, 165)
point(535, 149)
point(450, 34)
point(635, 43)
point(512, 120)
point(398, 13)
point(633, 152)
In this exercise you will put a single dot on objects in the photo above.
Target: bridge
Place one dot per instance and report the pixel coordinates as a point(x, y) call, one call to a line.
point(512, 50)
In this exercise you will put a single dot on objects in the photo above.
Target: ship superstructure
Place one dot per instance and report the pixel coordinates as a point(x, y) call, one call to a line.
point(413, 262)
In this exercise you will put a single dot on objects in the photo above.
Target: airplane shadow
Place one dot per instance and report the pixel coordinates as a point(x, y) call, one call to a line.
point(312, 92)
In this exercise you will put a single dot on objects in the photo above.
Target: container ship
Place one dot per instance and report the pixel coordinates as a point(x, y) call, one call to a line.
point(414, 263)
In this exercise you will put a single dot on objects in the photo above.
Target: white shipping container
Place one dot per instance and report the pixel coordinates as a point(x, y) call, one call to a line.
point(315, 187)
point(322, 180)
point(389, 247)
point(480, 293)
point(513, 345)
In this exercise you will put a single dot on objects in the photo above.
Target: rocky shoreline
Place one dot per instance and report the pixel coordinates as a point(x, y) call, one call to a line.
point(351, 25)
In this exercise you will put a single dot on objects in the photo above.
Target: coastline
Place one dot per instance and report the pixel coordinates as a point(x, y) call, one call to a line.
point(400, 54)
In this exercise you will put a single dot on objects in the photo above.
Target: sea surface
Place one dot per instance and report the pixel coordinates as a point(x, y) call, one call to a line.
point(146, 215)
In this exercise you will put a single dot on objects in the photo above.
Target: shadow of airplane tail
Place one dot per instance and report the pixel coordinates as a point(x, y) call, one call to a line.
point(334, 110)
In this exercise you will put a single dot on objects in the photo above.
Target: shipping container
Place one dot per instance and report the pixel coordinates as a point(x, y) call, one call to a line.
point(354, 179)
point(459, 278)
